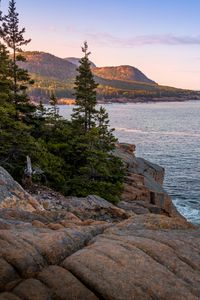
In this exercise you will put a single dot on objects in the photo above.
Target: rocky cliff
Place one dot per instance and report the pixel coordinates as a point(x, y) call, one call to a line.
point(143, 188)
point(86, 248)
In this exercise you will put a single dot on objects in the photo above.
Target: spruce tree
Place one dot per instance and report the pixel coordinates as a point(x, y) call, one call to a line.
point(53, 111)
point(107, 140)
point(85, 93)
point(15, 136)
point(94, 169)
point(5, 83)
point(14, 39)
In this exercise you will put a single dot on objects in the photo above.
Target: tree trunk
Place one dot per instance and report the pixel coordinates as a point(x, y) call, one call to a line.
point(28, 172)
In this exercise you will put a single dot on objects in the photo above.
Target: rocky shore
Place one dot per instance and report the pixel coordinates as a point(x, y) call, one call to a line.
point(56, 247)
point(125, 100)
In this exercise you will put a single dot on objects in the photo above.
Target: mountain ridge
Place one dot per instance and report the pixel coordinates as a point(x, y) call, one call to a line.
point(76, 61)
point(123, 73)
point(37, 62)
point(43, 64)
point(54, 74)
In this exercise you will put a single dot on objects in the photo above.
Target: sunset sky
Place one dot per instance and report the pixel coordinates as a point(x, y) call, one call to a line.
point(160, 37)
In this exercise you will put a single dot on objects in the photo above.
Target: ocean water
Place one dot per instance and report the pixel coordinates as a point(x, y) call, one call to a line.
point(167, 134)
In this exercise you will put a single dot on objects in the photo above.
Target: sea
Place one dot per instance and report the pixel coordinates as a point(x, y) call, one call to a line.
point(167, 134)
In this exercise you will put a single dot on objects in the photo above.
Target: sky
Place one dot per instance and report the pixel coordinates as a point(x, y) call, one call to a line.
point(160, 37)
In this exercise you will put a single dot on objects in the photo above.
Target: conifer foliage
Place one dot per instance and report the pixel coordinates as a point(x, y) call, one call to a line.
point(15, 138)
point(85, 92)
point(74, 157)
point(5, 63)
point(13, 36)
point(96, 169)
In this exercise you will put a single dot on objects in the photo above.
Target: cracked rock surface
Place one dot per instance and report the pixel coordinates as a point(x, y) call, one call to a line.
point(131, 261)
point(69, 248)
point(143, 257)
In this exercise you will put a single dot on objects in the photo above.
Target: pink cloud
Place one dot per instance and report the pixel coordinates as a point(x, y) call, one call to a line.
point(106, 39)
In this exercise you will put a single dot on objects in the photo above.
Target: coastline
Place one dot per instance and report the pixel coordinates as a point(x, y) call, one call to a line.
point(150, 100)
point(71, 101)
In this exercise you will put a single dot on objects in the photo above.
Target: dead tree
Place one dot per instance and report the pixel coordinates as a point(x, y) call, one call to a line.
point(28, 173)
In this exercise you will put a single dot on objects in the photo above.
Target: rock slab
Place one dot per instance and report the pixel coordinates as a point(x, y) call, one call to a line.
point(12, 195)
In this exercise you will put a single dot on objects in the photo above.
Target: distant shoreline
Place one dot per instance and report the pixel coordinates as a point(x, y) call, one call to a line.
point(70, 101)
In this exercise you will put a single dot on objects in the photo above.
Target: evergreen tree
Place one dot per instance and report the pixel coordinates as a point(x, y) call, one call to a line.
point(107, 140)
point(15, 139)
point(14, 39)
point(41, 111)
point(75, 157)
point(53, 111)
point(5, 83)
point(85, 93)
point(94, 170)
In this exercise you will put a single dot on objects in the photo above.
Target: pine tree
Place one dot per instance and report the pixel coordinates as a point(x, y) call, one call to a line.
point(94, 169)
point(5, 83)
point(14, 39)
point(85, 93)
point(15, 136)
point(107, 140)
point(53, 111)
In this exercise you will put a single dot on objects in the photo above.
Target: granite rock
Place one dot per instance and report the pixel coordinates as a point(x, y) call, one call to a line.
point(138, 260)
point(87, 248)
point(12, 195)
point(144, 182)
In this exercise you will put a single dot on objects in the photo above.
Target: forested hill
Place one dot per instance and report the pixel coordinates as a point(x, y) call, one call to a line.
point(122, 83)
point(48, 65)
point(123, 73)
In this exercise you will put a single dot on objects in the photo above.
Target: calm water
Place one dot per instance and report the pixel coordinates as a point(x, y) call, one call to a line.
point(169, 135)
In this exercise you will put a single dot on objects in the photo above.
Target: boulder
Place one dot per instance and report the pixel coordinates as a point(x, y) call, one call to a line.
point(126, 147)
point(12, 195)
point(81, 208)
point(134, 207)
point(96, 208)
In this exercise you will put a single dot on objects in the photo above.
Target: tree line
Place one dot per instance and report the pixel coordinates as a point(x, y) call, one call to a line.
point(73, 156)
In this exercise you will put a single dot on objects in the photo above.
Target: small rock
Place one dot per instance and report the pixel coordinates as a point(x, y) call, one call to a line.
point(55, 226)
point(38, 224)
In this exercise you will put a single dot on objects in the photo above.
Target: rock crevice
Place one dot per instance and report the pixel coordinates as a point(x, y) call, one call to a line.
point(56, 247)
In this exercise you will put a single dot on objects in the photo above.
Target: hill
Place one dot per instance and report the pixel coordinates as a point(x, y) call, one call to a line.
point(122, 73)
point(48, 65)
point(121, 83)
point(75, 61)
